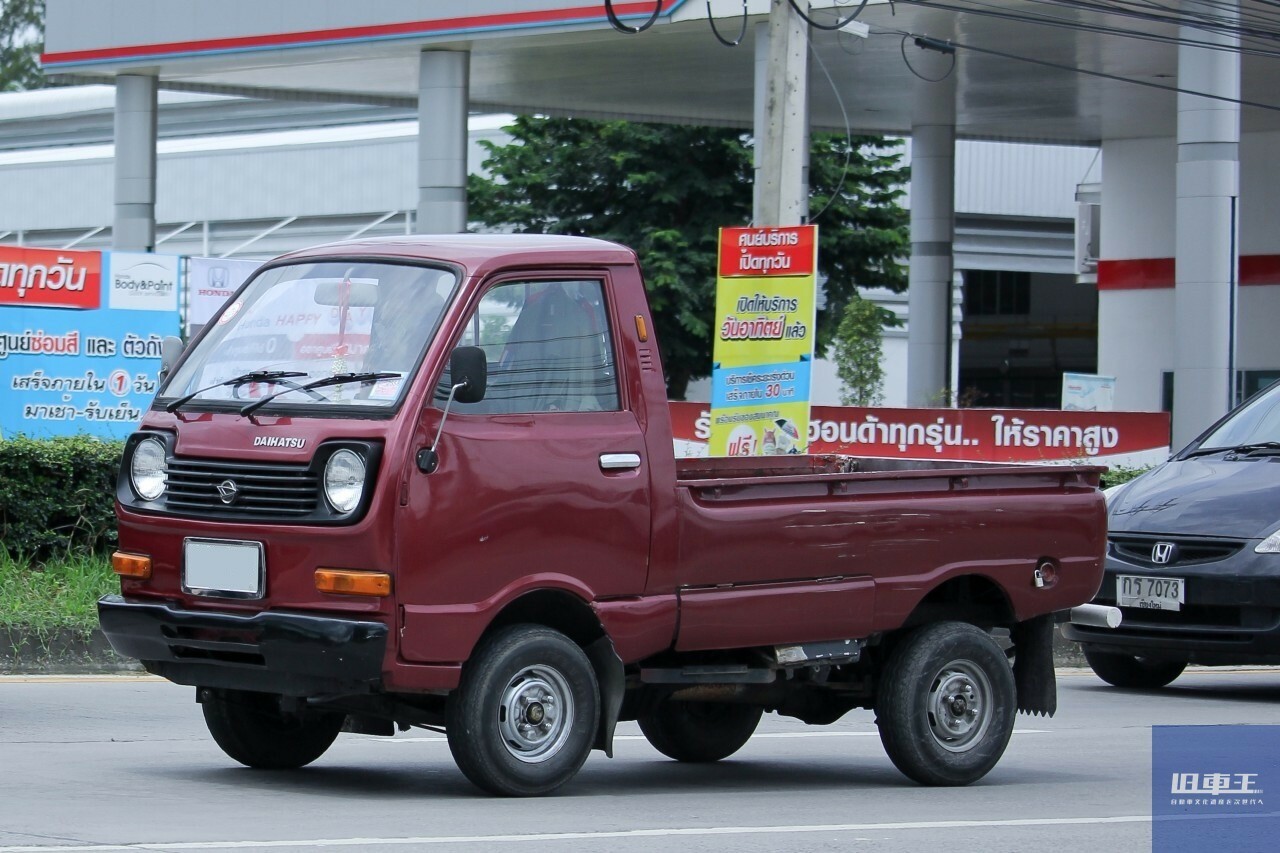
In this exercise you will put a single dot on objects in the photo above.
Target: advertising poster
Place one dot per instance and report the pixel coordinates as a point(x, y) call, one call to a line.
point(1126, 439)
point(210, 283)
point(80, 336)
point(763, 353)
point(1087, 392)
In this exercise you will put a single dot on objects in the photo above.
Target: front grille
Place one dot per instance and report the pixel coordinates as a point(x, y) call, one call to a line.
point(280, 491)
point(1187, 551)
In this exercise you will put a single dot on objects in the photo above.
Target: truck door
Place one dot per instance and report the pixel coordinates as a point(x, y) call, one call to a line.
point(542, 484)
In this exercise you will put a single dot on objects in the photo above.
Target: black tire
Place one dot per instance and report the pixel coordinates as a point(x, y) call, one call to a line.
point(946, 704)
point(1121, 670)
point(252, 729)
point(699, 732)
point(524, 716)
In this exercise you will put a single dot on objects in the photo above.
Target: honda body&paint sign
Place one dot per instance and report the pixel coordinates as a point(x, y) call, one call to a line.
point(80, 337)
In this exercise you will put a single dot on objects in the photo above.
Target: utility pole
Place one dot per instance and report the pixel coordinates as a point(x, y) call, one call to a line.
point(783, 135)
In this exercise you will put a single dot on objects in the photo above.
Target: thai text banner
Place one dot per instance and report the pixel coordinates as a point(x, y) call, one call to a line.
point(91, 372)
point(764, 337)
point(977, 435)
point(50, 278)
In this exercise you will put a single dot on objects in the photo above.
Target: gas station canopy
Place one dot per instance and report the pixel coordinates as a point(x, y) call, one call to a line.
point(1033, 71)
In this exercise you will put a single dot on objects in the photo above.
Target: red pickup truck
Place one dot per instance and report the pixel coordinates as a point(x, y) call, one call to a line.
point(430, 481)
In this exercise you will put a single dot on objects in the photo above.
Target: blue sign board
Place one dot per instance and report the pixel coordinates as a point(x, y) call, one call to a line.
point(90, 371)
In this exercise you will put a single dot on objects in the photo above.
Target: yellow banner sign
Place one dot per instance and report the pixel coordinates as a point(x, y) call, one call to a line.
point(763, 354)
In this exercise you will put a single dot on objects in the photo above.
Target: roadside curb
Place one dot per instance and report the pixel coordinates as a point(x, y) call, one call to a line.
point(24, 651)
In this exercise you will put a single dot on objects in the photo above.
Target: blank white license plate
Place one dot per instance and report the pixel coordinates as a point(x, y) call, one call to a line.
point(1150, 593)
point(223, 567)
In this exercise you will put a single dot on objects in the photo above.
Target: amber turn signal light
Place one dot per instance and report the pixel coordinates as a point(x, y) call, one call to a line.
point(353, 583)
point(133, 566)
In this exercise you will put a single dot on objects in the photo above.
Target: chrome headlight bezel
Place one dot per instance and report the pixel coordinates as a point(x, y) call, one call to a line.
point(147, 463)
point(345, 477)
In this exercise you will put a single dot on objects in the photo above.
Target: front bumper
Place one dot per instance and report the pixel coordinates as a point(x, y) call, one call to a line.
point(1231, 615)
point(292, 654)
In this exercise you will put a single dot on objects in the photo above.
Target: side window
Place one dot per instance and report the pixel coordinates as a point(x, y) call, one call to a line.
point(548, 348)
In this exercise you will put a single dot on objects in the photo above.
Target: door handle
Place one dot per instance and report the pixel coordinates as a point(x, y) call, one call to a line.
point(619, 461)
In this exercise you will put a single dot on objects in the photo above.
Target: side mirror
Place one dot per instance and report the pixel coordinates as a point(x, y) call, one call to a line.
point(469, 368)
point(170, 351)
point(469, 373)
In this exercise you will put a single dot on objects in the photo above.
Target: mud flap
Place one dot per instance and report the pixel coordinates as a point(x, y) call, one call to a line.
point(1033, 666)
point(612, 680)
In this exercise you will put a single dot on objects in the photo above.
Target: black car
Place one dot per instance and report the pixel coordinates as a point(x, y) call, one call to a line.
point(1193, 556)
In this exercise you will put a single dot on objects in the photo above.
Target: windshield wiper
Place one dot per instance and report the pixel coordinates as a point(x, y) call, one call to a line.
point(336, 379)
point(1242, 449)
point(251, 376)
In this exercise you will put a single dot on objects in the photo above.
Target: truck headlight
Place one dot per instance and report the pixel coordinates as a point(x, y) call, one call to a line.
point(344, 476)
point(146, 469)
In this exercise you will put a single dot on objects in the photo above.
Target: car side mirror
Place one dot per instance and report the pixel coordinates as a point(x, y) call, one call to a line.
point(170, 351)
point(469, 374)
point(469, 369)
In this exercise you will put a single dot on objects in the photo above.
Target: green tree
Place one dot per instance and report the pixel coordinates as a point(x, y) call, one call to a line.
point(857, 351)
point(21, 42)
point(666, 189)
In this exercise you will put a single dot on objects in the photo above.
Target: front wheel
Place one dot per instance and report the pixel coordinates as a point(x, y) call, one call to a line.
point(254, 730)
point(524, 716)
point(946, 704)
point(699, 731)
point(1121, 670)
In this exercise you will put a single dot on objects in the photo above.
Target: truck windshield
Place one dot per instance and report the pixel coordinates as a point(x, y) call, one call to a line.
point(296, 325)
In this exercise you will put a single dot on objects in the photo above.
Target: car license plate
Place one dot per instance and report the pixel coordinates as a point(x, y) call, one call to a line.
point(1150, 593)
point(224, 568)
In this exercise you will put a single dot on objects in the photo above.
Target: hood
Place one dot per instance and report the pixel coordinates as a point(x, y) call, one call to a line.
point(1205, 496)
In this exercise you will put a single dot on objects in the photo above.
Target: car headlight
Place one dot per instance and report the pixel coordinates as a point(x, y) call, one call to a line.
point(1270, 545)
point(146, 469)
point(344, 476)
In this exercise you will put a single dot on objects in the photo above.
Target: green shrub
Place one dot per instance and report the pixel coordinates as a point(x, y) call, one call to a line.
point(57, 496)
point(1117, 475)
point(60, 593)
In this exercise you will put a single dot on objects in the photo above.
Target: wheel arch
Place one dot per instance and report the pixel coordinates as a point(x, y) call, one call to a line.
point(972, 598)
point(563, 611)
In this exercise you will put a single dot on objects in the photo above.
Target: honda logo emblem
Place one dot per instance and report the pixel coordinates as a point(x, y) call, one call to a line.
point(1162, 553)
point(227, 490)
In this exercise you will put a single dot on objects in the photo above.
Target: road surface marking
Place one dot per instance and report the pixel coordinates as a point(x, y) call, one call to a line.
point(623, 834)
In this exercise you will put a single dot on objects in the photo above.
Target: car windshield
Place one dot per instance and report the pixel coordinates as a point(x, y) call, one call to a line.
point(362, 326)
point(1257, 422)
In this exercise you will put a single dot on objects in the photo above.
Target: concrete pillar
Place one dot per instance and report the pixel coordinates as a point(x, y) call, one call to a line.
point(1206, 252)
point(134, 227)
point(443, 96)
point(760, 116)
point(933, 181)
point(782, 137)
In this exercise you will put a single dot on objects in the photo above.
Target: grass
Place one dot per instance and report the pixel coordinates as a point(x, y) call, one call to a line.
point(59, 593)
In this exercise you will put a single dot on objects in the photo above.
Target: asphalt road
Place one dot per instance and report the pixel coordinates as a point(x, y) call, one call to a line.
point(124, 763)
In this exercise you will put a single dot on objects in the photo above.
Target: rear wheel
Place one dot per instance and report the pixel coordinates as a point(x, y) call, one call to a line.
point(946, 704)
point(1121, 670)
point(699, 731)
point(254, 730)
point(524, 717)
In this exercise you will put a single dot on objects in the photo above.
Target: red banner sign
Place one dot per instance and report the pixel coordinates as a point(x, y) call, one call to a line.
point(50, 278)
point(978, 435)
point(761, 252)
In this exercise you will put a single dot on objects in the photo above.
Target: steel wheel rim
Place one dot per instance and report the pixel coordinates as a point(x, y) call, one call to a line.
point(959, 706)
point(536, 714)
